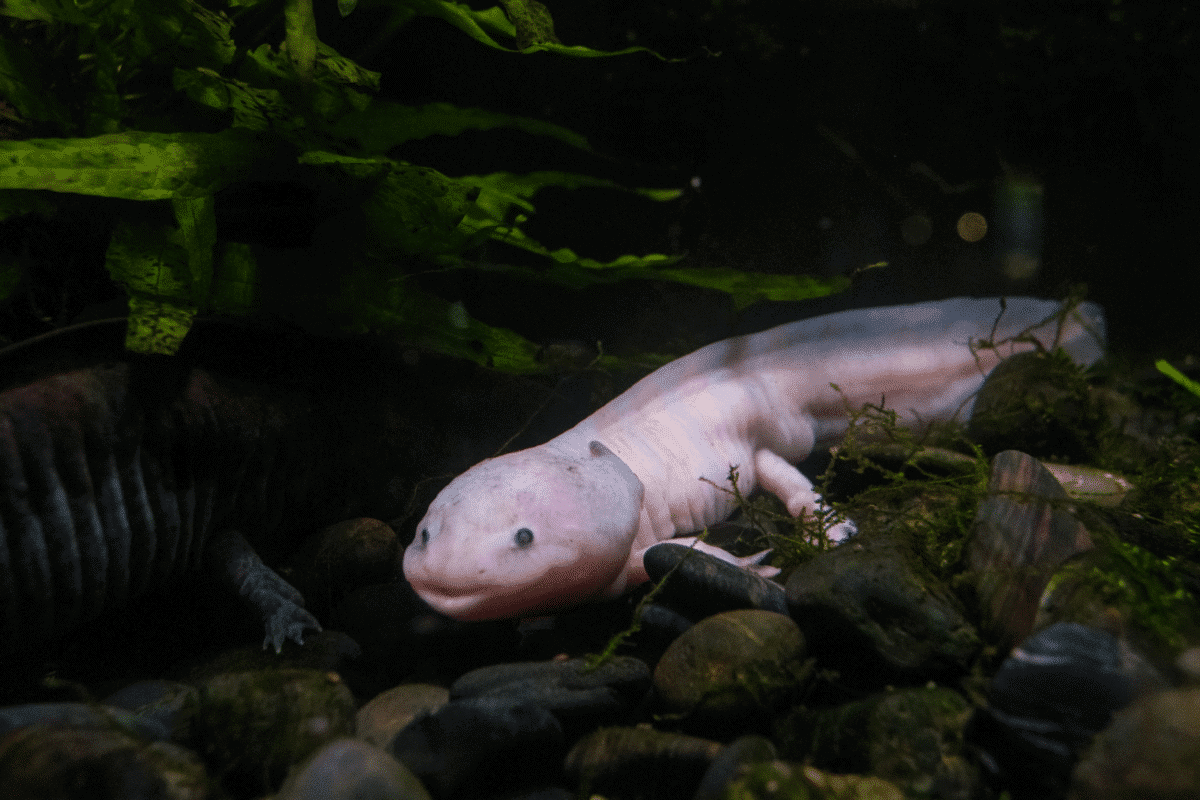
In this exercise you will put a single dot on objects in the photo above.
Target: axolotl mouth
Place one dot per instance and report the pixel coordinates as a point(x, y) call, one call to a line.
point(463, 603)
point(478, 602)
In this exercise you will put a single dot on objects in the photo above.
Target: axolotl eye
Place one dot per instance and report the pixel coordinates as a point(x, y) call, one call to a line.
point(523, 537)
point(424, 536)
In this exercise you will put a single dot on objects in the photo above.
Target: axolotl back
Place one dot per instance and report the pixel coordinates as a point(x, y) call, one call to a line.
point(569, 520)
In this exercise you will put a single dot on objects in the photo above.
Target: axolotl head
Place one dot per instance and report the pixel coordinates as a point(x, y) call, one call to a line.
point(527, 532)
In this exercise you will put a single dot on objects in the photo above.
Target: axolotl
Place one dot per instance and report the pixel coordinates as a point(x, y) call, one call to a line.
point(551, 526)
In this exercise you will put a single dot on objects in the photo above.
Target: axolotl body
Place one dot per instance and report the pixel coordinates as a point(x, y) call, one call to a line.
point(569, 520)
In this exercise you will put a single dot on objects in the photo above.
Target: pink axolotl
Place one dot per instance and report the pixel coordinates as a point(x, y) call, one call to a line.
point(569, 520)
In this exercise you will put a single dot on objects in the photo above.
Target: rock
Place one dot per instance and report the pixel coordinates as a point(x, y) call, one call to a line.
point(386, 714)
point(662, 624)
point(1130, 592)
point(80, 715)
point(639, 762)
point(542, 793)
point(1188, 663)
point(482, 746)
point(1023, 532)
point(728, 764)
point(784, 780)
point(97, 763)
point(252, 727)
point(912, 738)
point(1150, 751)
point(703, 585)
point(344, 557)
point(870, 606)
point(169, 703)
point(1047, 701)
point(351, 769)
point(732, 666)
point(1038, 404)
point(580, 698)
point(323, 651)
point(1092, 484)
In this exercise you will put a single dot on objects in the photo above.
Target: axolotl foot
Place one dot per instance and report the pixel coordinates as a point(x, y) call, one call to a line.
point(751, 562)
point(779, 477)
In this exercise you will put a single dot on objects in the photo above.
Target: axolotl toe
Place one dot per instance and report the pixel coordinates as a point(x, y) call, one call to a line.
point(568, 521)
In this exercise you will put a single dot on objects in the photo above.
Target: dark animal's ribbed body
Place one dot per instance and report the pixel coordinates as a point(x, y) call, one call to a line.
point(115, 474)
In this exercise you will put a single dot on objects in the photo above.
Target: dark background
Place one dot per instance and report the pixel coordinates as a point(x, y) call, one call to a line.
point(817, 131)
point(809, 137)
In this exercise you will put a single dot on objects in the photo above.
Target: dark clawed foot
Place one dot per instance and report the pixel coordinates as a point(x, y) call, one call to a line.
point(288, 622)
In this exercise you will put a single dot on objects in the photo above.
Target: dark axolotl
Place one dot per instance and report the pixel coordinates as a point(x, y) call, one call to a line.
point(569, 520)
point(119, 473)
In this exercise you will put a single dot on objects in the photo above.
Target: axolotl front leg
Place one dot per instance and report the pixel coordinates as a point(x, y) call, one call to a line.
point(781, 478)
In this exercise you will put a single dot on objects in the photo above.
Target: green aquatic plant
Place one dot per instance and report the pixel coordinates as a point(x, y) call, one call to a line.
point(152, 109)
point(1183, 380)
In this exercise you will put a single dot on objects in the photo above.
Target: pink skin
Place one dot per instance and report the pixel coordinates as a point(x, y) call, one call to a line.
point(569, 520)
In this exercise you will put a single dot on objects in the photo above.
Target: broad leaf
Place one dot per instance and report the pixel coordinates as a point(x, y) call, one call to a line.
point(134, 165)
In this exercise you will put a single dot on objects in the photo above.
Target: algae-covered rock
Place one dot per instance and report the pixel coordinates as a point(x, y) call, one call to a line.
point(639, 762)
point(910, 737)
point(732, 665)
point(1150, 751)
point(66, 761)
point(344, 557)
point(252, 727)
point(1037, 403)
point(870, 607)
point(787, 781)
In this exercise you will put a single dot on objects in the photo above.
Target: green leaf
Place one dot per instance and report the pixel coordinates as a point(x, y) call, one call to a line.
point(499, 191)
point(1183, 380)
point(150, 260)
point(198, 226)
point(235, 279)
point(300, 36)
point(384, 125)
point(134, 165)
point(574, 272)
point(748, 288)
point(253, 108)
point(153, 264)
point(563, 255)
point(180, 33)
point(410, 209)
point(384, 301)
point(337, 86)
point(43, 10)
point(483, 25)
point(532, 22)
point(345, 70)
point(157, 326)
